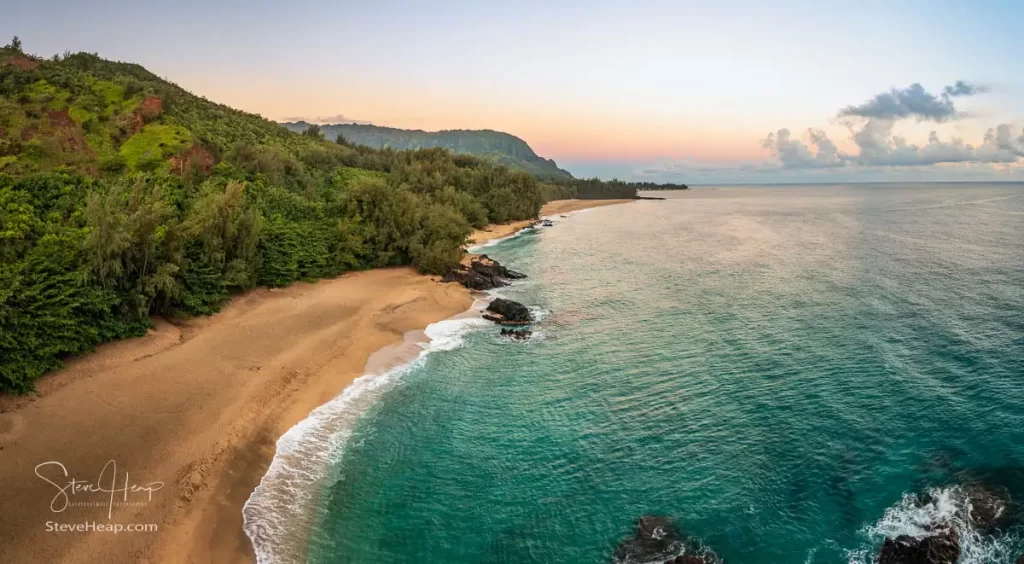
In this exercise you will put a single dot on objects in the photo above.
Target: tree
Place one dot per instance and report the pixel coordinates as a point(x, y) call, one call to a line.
point(438, 247)
point(128, 232)
point(313, 131)
point(15, 44)
point(229, 230)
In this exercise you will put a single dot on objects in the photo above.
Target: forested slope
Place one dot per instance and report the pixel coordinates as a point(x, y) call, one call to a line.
point(123, 196)
point(495, 146)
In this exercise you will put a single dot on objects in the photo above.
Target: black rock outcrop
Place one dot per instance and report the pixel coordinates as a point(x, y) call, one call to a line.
point(979, 506)
point(508, 312)
point(941, 547)
point(482, 273)
point(487, 266)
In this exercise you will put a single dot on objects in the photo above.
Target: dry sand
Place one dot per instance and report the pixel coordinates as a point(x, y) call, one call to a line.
point(197, 406)
point(566, 206)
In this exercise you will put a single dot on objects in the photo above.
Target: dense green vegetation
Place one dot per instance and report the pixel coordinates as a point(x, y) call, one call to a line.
point(597, 189)
point(658, 186)
point(495, 146)
point(123, 196)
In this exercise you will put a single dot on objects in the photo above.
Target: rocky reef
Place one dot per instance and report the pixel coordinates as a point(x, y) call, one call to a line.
point(482, 273)
point(978, 508)
point(658, 539)
point(508, 312)
point(485, 273)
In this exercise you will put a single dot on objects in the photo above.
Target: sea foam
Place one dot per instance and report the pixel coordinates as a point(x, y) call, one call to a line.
point(948, 506)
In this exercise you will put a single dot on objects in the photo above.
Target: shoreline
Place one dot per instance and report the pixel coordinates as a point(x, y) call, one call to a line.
point(200, 405)
point(289, 491)
point(496, 231)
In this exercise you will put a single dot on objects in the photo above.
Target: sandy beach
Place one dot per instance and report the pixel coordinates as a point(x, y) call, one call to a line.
point(497, 231)
point(182, 423)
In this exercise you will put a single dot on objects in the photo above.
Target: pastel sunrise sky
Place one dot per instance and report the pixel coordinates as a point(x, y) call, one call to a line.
point(696, 92)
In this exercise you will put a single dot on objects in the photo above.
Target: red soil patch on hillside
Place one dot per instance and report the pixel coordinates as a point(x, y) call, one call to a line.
point(20, 61)
point(151, 107)
point(59, 119)
point(130, 124)
point(196, 158)
point(29, 132)
point(68, 135)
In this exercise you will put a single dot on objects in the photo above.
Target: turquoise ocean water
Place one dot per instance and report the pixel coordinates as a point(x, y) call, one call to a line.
point(774, 367)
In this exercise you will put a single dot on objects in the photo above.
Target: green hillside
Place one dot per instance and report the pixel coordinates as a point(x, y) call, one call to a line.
point(495, 146)
point(124, 196)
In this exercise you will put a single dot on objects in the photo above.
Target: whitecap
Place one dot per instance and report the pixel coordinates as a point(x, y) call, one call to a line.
point(947, 506)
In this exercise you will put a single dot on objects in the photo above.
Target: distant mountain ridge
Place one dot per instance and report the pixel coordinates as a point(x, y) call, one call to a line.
point(496, 146)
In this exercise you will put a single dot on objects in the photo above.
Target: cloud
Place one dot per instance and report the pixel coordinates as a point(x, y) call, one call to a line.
point(879, 147)
point(1000, 143)
point(796, 154)
point(962, 88)
point(325, 120)
point(913, 101)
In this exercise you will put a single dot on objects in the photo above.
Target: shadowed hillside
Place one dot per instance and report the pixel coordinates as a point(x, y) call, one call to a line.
point(497, 147)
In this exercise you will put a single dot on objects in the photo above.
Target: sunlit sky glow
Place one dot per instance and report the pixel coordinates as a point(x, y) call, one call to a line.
point(673, 91)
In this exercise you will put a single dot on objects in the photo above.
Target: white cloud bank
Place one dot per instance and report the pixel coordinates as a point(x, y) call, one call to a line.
point(871, 125)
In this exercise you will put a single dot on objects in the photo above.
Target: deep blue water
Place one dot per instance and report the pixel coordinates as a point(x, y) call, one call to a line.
point(772, 367)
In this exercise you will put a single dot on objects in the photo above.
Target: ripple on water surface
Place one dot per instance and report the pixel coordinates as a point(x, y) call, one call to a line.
point(776, 369)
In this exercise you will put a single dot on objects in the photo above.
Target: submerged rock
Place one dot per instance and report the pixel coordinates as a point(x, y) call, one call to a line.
point(481, 274)
point(986, 506)
point(942, 547)
point(508, 312)
point(658, 539)
point(693, 559)
point(517, 334)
